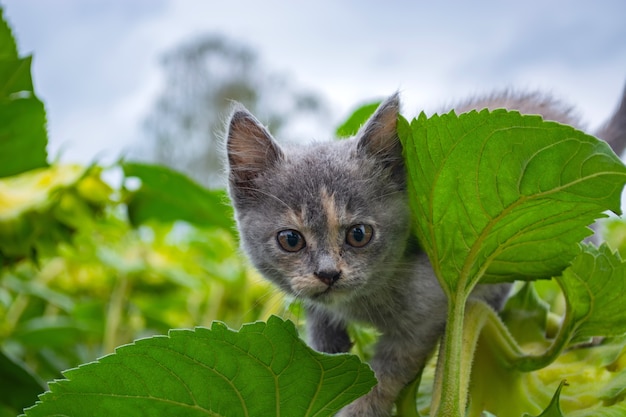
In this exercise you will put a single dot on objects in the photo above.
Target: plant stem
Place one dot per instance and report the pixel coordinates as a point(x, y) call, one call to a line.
point(453, 374)
point(114, 314)
point(448, 400)
point(529, 363)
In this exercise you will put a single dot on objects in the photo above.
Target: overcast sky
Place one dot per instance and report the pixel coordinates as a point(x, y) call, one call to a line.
point(96, 62)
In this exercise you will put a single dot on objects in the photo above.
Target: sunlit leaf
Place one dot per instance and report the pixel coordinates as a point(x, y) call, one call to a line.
point(262, 370)
point(25, 204)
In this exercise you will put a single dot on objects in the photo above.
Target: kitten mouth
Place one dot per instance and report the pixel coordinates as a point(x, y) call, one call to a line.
point(328, 294)
point(322, 294)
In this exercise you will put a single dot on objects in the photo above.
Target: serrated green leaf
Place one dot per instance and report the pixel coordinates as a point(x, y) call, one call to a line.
point(264, 369)
point(502, 196)
point(166, 195)
point(352, 125)
point(594, 287)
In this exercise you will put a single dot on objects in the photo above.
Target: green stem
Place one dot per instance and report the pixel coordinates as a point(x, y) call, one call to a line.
point(453, 373)
point(114, 314)
point(465, 323)
point(529, 363)
point(448, 398)
point(511, 353)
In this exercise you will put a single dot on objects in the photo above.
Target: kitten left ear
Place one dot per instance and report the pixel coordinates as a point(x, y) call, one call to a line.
point(250, 148)
point(378, 138)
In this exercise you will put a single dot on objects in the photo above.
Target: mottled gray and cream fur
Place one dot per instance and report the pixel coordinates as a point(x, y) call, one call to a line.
point(329, 223)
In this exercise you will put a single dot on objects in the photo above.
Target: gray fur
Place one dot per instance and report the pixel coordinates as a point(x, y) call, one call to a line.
point(323, 189)
point(614, 130)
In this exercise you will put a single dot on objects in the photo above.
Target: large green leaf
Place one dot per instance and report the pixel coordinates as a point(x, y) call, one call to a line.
point(166, 195)
point(502, 196)
point(262, 370)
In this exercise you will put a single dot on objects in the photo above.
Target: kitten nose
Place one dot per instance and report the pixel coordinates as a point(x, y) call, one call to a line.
point(328, 277)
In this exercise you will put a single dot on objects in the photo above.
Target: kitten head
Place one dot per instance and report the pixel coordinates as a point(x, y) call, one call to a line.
point(327, 222)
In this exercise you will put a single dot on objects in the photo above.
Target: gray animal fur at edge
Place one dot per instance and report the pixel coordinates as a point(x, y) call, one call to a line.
point(329, 224)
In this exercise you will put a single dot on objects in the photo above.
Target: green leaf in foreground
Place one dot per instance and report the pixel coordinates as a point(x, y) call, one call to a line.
point(166, 195)
point(262, 370)
point(501, 196)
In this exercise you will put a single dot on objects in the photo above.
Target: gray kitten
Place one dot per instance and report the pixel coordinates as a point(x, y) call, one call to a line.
point(329, 224)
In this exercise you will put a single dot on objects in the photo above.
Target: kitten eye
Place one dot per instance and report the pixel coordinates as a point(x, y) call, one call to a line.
point(290, 240)
point(359, 235)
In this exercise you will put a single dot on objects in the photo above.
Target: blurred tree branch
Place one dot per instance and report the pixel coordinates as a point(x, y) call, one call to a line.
point(202, 79)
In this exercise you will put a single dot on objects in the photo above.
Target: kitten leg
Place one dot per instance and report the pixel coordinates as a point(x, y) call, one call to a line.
point(396, 363)
point(326, 335)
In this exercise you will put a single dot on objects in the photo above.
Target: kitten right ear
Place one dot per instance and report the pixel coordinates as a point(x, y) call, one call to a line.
point(250, 148)
point(378, 138)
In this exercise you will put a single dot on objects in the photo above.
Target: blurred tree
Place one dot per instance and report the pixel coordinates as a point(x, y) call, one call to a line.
point(202, 79)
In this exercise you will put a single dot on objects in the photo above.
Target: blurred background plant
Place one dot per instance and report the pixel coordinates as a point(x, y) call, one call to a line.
point(86, 266)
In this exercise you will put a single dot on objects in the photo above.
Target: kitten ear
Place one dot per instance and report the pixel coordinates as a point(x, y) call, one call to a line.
point(250, 148)
point(378, 138)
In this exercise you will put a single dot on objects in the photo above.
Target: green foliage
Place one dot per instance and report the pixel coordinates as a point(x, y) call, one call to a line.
point(8, 48)
point(500, 196)
point(42, 207)
point(553, 410)
point(262, 370)
point(352, 125)
point(166, 195)
point(22, 115)
point(593, 287)
point(24, 386)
